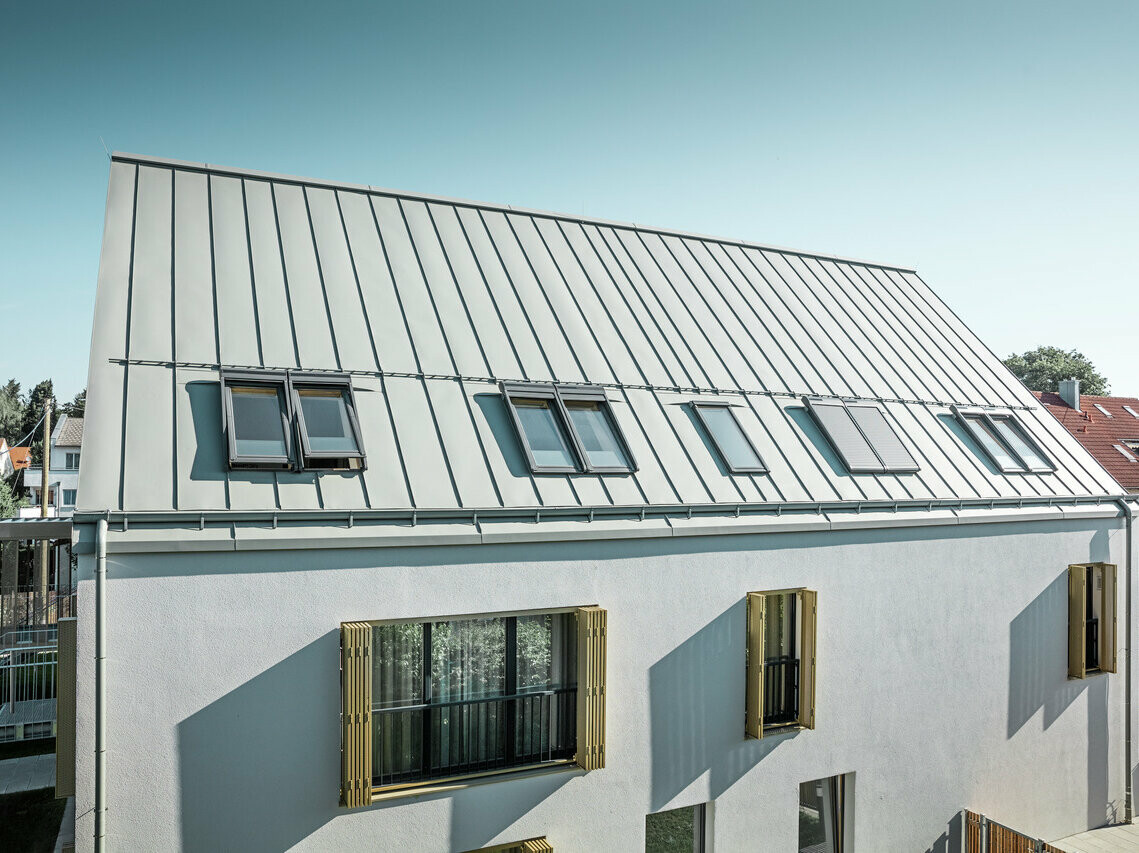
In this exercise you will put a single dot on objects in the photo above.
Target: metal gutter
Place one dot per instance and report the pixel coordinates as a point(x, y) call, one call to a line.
point(1128, 544)
point(228, 171)
point(100, 685)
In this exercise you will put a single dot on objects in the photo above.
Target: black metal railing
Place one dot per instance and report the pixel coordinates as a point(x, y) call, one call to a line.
point(414, 743)
point(1091, 648)
point(780, 690)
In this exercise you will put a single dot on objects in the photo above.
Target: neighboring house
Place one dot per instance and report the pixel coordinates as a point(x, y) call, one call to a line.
point(1107, 426)
point(420, 524)
point(63, 479)
point(13, 459)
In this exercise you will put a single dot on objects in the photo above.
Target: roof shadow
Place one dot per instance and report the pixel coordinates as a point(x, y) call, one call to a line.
point(806, 423)
point(954, 426)
point(493, 409)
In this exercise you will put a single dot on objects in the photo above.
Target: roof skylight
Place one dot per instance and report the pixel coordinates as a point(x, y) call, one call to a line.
point(731, 442)
point(1005, 441)
point(861, 435)
point(1125, 453)
point(1105, 412)
point(1131, 411)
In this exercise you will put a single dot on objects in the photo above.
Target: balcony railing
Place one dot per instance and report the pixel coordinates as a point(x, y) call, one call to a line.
point(780, 691)
point(415, 743)
point(27, 692)
point(1091, 647)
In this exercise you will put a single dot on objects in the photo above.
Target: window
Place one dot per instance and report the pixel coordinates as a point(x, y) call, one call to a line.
point(1005, 441)
point(69, 497)
point(780, 660)
point(256, 419)
point(326, 421)
point(823, 815)
point(452, 699)
point(72, 461)
point(263, 408)
point(1125, 453)
point(1103, 411)
point(677, 830)
point(567, 429)
point(1131, 411)
point(731, 442)
point(862, 436)
point(1091, 618)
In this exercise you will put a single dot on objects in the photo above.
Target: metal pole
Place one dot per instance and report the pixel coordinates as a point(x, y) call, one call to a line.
point(100, 686)
point(43, 544)
point(1128, 562)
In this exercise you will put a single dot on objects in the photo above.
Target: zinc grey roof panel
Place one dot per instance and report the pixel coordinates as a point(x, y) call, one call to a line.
point(505, 460)
point(200, 452)
point(802, 461)
point(194, 329)
point(655, 444)
point(462, 444)
point(540, 316)
point(386, 476)
point(345, 306)
point(311, 320)
point(533, 363)
point(295, 489)
point(237, 314)
point(148, 467)
point(150, 308)
point(428, 344)
point(652, 479)
point(489, 330)
point(253, 490)
point(719, 482)
point(418, 433)
point(382, 308)
point(274, 310)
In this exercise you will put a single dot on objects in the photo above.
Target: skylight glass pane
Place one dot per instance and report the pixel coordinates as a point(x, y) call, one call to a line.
point(894, 455)
point(1122, 450)
point(1105, 412)
point(595, 431)
point(993, 446)
point(1131, 411)
point(1011, 433)
point(729, 438)
point(326, 420)
point(544, 434)
point(257, 426)
point(844, 435)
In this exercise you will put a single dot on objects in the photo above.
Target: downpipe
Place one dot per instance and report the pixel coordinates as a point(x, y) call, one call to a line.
point(101, 686)
point(1128, 544)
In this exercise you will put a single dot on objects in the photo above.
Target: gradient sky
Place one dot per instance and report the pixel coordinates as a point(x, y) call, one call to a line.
point(994, 146)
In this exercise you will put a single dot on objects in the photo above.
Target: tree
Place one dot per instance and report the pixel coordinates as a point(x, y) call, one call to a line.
point(1042, 369)
point(33, 411)
point(8, 502)
point(77, 406)
point(11, 411)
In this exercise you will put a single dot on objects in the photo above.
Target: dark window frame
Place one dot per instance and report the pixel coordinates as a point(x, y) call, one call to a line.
point(964, 414)
point(881, 468)
point(558, 396)
point(277, 379)
point(698, 406)
point(298, 381)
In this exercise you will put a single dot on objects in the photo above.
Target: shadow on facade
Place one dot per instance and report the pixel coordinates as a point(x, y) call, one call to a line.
point(481, 813)
point(259, 768)
point(695, 730)
point(952, 840)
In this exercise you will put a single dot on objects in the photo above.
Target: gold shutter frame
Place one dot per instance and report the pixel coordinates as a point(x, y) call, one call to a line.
point(65, 671)
point(808, 607)
point(1108, 623)
point(756, 614)
point(356, 714)
point(591, 641)
point(537, 845)
point(1077, 618)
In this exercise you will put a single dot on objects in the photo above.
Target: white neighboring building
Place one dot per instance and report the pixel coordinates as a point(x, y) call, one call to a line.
point(63, 479)
point(419, 524)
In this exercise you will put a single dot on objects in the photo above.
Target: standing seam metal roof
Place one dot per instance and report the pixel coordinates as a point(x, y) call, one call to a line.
point(429, 303)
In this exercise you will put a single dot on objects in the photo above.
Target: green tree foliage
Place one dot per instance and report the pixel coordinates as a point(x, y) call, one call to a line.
point(77, 406)
point(1042, 369)
point(8, 502)
point(11, 411)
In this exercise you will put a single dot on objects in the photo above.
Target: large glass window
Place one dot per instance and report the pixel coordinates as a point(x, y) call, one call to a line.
point(257, 423)
point(781, 642)
point(326, 421)
point(676, 831)
point(733, 445)
point(822, 815)
point(544, 434)
point(566, 429)
point(469, 696)
point(591, 422)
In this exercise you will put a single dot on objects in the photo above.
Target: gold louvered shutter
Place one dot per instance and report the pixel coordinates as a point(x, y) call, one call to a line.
point(756, 612)
point(1077, 620)
point(590, 688)
point(537, 845)
point(808, 608)
point(1107, 620)
point(356, 714)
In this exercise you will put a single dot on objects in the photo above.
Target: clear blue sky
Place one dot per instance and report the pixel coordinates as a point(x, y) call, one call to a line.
point(992, 145)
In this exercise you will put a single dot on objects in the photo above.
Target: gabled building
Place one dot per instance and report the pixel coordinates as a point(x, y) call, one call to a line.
point(409, 523)
point(1108, 427)
point(13, 459)
point(63, 478)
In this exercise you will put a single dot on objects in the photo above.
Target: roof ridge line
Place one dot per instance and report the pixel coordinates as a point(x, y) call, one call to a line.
point(231, 171)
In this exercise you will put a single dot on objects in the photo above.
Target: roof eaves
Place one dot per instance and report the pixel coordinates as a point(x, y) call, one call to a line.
point(229, 171)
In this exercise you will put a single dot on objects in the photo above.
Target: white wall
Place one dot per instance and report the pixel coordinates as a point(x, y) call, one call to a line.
point(941, 685)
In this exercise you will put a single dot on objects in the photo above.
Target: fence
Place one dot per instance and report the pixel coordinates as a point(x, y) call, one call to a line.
point(28, 615)
point(27, 692)
point(983, 835)
point(780, 690)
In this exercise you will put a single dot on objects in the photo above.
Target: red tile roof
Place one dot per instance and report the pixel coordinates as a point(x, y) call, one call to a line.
point(1099, 433)
point(21, 457)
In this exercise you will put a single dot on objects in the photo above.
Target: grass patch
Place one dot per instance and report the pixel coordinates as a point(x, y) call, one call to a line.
point(670, 832)
point(29, 820)
point(20, 748)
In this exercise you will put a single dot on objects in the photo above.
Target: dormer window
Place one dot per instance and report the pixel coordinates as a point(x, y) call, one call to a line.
point(326, 422)
point(256, 419)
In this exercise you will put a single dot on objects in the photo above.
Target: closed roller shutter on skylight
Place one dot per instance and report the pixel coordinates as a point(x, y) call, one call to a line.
point(845, 436)
point(893, 453)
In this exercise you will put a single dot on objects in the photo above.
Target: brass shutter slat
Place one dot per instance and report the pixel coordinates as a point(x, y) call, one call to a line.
point(1107, 638)
point(65, 670)
point(356, 713)
point(537, 845)
point(591, 641)
point(756, 613)
point(808, 600)
point(1077, 616)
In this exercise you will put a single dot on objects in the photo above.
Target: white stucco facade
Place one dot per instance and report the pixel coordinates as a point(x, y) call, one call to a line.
point(942, 684)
